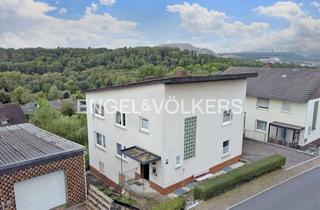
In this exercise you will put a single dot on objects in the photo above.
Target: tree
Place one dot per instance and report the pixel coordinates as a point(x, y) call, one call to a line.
point(4, 96)
point(67, 108)
point(44, 115)
point(21, 95)
point(53, 93)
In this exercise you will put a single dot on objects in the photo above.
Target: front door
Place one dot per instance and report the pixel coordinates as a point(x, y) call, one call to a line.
point(144, 171)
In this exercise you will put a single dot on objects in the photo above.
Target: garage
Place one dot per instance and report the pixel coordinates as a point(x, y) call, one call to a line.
point(41, 192)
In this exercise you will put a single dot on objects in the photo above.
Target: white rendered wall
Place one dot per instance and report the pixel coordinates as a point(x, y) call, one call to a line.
point(130, 136)
point(210, 131)
point(274, 113)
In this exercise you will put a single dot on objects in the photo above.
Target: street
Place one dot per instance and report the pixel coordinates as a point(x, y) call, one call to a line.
point(299, 193)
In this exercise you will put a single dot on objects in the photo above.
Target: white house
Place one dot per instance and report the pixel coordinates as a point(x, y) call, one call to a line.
point(168, 150)
point(282, 106)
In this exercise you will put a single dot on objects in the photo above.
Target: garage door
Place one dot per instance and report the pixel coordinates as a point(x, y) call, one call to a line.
point(42, 192)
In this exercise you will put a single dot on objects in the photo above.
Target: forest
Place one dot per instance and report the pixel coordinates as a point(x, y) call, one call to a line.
point(33, 73)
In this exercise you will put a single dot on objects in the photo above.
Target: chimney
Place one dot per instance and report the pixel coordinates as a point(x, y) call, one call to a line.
point(182, 73)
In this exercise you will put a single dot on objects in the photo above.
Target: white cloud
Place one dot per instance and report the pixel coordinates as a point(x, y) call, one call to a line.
point(108, 2)
point(199, 19)
point(63, 11)
point(223, 35)
point(92, 8)
point(24, 23)
point(286, 9)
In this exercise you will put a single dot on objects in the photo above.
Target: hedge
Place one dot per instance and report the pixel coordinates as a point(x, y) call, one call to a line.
point(220, 184)
point(178, 203)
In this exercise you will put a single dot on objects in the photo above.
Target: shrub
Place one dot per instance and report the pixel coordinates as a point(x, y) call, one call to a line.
point(220, 184)
point(178, 203)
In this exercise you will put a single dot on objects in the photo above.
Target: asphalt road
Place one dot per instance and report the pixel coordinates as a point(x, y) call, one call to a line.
point(299, 193)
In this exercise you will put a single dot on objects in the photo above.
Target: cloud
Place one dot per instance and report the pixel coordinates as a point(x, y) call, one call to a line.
point(199, 19)
point(221, 34)
point(287, 10)
point(92, 8)
point(107, 2)
point(63, 11)
point(25, 23)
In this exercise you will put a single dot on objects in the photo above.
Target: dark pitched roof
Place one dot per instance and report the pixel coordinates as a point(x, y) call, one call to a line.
point(179, 80)
point(297, 85)
point(12, 113)
point(25, 143)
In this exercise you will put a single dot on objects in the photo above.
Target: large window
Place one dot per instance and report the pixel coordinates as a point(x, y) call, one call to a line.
point(119, 153)
point(100, 140)
point(227, 117)
point(190, 131)
point(144, 124)
point(121, 119)
point(226, 147)
point(315, 115)
point(261, 125)
point(263, 103)
point(286, 106)
point(99, 110)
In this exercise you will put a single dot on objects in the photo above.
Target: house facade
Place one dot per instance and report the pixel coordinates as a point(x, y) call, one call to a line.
point(167, 149)
point(282, 106)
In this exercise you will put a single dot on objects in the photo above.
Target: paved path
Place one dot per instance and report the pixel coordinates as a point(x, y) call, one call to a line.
point(299, 193)
point(254, 150)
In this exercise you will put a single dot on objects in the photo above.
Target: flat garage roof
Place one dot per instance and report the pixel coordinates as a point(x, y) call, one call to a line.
point(25, 143)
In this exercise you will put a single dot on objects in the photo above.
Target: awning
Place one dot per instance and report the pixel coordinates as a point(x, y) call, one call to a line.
point(142, 156)
point(285, 125)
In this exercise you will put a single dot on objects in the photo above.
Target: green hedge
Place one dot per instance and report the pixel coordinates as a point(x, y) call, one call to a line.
point(178, 203)
point(220, 184)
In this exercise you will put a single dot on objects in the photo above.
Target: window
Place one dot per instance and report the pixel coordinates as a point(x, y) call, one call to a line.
point(144, 124)
point(178, 161)
point(82, 106)
point(261, 125)
point(99, 110)
point(121, 119)
point(227, 116)
point(226, 147)
point(101, 167)
point(315, 115)
point(100, 140)
point(119, 152)
point(263, 103)
point(190, 128)
point(286, 106)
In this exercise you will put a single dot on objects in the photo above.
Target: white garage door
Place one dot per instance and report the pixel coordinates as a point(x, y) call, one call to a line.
point(42, 192)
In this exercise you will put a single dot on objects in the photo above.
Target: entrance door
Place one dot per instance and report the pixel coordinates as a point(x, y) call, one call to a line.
point(144, 170)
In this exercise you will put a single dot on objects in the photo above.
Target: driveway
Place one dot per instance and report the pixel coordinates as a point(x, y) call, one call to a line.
point(299, 193)
point(254, 150)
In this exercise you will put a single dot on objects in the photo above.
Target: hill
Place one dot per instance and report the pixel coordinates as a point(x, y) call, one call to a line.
point(190, 47)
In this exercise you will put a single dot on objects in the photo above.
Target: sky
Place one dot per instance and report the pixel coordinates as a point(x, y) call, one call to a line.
point(222, 26)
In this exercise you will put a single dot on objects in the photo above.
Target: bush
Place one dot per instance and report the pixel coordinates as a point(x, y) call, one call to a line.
point(246, 173)
point(178, 203)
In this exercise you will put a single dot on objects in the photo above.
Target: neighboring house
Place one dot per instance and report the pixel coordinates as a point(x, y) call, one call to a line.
point(32, 106)
point(282, 106)
point(168, 150)
point(11, 114)
point(39, 170)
